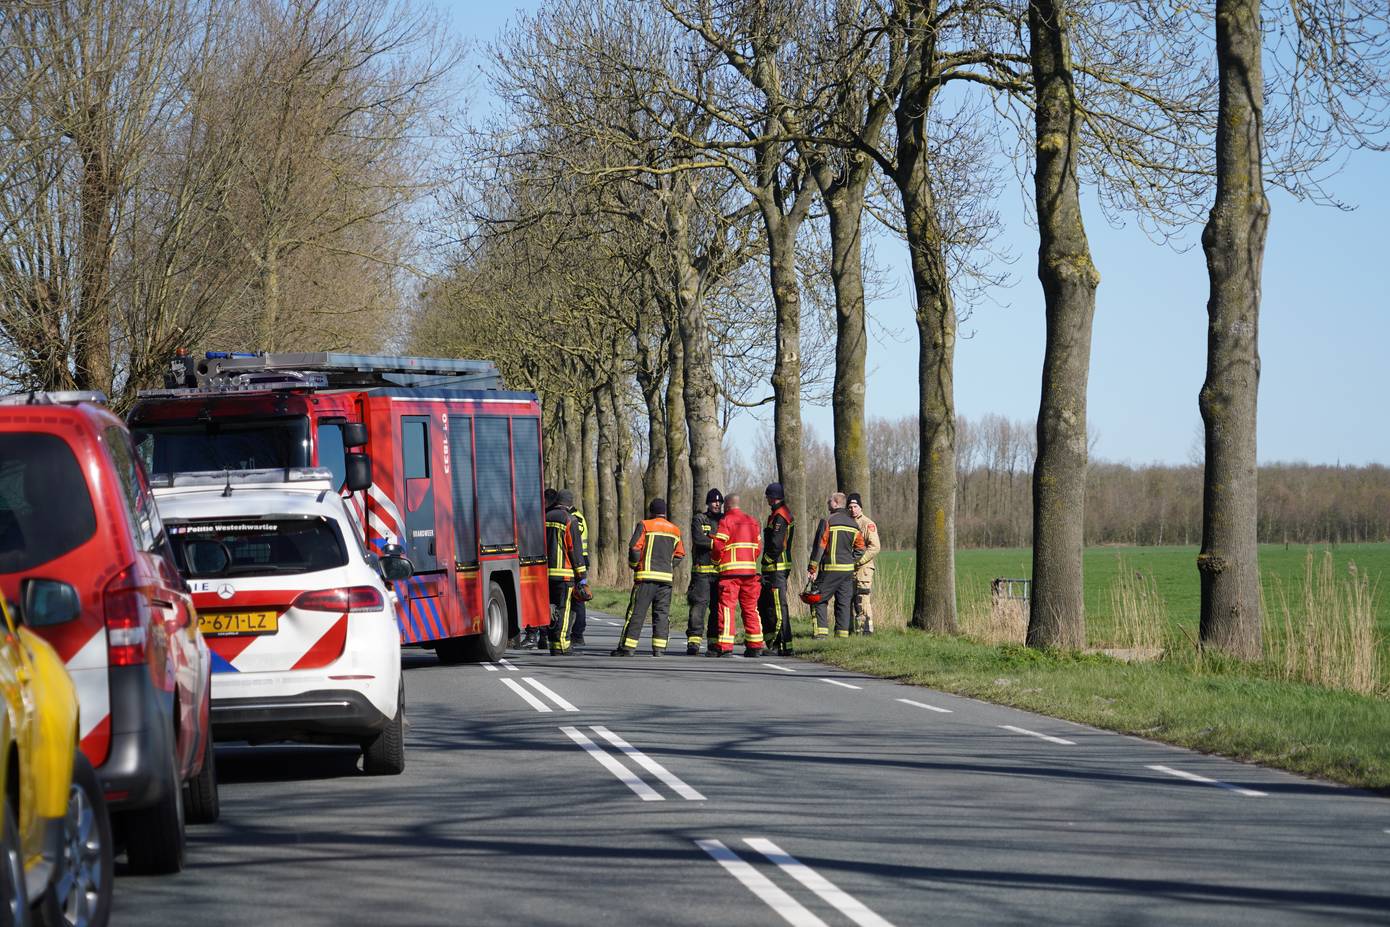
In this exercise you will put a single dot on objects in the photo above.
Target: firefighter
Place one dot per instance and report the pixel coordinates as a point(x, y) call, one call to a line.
point(703, 593)
point(736, 550)
point(580, 610)
point(776, 566)
point(835, 549)
point(566, 567)
point(531, 639)
point(864, 569)
point(653, 553)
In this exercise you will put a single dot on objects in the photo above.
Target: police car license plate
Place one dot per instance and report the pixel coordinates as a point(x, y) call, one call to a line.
point(238, 622)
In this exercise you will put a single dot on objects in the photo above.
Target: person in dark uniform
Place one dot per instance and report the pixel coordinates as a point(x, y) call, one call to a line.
point(653, 553)
point(776, 567)
point(836, 548)
point(532, 638)
point(565, 566)
point(703, 593)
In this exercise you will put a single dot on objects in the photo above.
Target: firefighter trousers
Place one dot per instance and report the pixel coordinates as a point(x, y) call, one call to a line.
point(579, 617)
point(863, 608)
point(560, 614)
point(653, 596)
point(840, 586)
point(703, 598)
point(741, 593)
point(772, 610)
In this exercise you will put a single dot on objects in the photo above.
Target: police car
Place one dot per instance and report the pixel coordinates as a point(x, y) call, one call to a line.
point(298, 614)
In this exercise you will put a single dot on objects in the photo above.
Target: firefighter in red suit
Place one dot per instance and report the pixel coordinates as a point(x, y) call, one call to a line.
point(736, 548)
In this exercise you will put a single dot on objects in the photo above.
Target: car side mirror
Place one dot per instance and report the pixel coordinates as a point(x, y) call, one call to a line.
point(49, 602)
point(359, 472)
point(354, 434)
point(397, 568)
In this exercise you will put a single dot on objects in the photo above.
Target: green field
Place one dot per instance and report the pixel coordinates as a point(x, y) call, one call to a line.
point(1173, 568)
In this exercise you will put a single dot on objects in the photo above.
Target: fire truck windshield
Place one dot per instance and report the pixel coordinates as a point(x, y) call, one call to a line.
point(223, 444)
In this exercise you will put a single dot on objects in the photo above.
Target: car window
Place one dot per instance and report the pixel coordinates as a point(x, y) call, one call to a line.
point(257, 546)
point(144, 517)
point(45, 507)
point(332, 453)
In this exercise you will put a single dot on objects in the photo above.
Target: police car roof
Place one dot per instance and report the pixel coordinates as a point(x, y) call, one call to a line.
point(294, 500)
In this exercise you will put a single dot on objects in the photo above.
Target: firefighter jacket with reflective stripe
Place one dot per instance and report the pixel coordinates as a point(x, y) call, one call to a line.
point(702, 529)
point(654, 550)
point(864, 569)
point(583, 533)
point(564, 547)
point(777, 540)
point(838, 545)
point(736, 544)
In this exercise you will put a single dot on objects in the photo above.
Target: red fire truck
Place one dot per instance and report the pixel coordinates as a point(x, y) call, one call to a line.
point(434, 455)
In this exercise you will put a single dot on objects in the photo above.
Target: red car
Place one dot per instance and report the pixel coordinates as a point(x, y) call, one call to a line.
point(75, 506)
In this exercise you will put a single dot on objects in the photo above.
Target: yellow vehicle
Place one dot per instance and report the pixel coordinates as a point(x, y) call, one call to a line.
point(55, 838)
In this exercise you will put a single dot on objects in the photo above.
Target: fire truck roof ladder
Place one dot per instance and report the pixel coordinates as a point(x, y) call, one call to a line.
point(353, 370)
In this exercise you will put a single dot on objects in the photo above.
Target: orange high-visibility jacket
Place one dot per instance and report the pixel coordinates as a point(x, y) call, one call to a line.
point(654, 550)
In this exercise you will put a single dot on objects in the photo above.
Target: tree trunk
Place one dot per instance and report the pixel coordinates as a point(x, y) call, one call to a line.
point(270, 300)
point(934, 598)
point(604, 541)
point(701, 396)
point(93, 330)
point(622, 474)
point(786, 370)
point(1234, 242)
point(844, 206)
point(589, 492)
point(572, 475)
point(1057, 616)
point(678, 493)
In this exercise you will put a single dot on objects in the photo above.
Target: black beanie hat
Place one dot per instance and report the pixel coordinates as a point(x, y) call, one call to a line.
point(657, 506)
point(854, 497)
point(565, 497)
point(713, 495)
point(774, 491)
point(551, 496)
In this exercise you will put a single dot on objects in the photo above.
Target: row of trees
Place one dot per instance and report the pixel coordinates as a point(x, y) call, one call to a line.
point(668, 212)
point(665, 217)
point(234, 173)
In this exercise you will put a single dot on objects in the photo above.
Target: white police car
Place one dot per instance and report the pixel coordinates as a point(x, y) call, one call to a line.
point(297, 613)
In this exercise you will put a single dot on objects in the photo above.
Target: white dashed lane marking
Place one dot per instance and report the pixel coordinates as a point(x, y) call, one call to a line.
point(530, 699)
point(1047, 737)
point(778, 666)
point(619, 771)
point(842, 901)
point(843, 685)
point(908, 701)
point(649, 764)
point(791, 910)
point(1193, 777)
point(548, 692)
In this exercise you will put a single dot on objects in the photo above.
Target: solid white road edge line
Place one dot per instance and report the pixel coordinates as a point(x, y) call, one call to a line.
point(908, 701)
point(778, 666)
point(1047, 737)
point(531, 699)
point(760, 885)
point(546, 690)
point(836, 682)
point(843, 902)
point(649, 764)
point(509, 665)
point(620, 772)
point(490, 668)
point(1193, 777)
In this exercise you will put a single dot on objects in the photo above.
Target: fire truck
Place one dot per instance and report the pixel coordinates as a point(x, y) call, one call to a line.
point(433, 454)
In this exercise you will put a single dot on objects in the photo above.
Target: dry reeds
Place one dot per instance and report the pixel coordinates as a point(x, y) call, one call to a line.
point(994, 619)
point(1326, 633)
point(1139, 610)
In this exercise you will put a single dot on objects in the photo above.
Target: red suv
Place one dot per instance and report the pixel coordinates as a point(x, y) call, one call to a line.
point(75, 506)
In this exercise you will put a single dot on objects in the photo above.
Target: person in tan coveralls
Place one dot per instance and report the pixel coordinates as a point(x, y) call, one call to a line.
point(864, 571)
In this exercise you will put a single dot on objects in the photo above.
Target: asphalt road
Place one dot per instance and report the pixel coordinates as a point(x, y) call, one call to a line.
point(598, 791)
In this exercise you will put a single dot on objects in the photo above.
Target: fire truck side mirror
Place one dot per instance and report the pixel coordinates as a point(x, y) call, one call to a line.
point(359, 472)
point(354, 434)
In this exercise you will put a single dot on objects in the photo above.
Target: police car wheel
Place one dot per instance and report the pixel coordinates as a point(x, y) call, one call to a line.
point(384, 755)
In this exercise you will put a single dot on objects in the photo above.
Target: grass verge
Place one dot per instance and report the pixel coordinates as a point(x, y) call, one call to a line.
point(1245, 712)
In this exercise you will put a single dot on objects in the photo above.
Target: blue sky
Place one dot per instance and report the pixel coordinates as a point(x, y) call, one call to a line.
point(1324, 326)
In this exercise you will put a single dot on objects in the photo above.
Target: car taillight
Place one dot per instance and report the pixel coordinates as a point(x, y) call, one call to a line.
point(127, 614)
point(352, 599)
